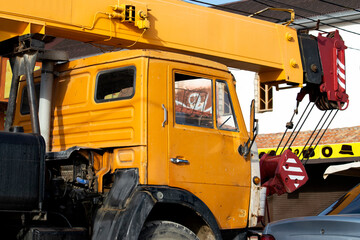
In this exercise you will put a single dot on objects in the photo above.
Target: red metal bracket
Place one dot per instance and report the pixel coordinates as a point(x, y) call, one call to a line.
point(332, 54)
point(282, 173)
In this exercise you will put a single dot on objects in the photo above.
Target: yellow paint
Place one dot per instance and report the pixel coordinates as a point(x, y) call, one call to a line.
point(217, 174)
point(235, 40)
point(7, 80)
point(135, 157)
point(104, 164)
point(340, 150)
point(135, 132)
point(79, 120)
point(345, 201)
point(133, 135)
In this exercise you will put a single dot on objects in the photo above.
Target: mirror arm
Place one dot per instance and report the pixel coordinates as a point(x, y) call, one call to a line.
point(256, 130)
point(244, 150)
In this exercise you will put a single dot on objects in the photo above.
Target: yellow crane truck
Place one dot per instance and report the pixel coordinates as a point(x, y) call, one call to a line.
point(149, 142)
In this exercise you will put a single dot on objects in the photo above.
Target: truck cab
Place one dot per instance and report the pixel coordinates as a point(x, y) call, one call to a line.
point(173, 118)
point(131, 143)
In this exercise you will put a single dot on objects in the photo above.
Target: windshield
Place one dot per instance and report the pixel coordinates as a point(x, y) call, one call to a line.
point(347, 204)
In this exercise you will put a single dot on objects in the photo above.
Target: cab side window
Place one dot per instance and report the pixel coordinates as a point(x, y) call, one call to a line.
point(115, 84)
point(225, 118)
point(193, 101)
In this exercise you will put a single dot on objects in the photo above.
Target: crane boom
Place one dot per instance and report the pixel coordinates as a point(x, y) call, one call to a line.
point(147, 143)
point(237, 41)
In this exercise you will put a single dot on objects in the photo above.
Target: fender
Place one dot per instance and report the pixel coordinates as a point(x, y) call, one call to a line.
point(65, 155)
point(128, 205)
point(165, 194)
point(124, 210)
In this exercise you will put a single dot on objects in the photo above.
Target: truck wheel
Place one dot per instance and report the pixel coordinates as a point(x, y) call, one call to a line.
point(158, 230)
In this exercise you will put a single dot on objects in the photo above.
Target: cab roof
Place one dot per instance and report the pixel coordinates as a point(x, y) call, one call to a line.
point(146, 53)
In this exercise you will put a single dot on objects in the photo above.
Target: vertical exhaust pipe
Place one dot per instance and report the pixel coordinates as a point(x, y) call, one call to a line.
point(46, 86)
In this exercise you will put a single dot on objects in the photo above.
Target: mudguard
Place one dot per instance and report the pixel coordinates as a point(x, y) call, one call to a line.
point(128, 205)
point(165, 194)
point(124, 210)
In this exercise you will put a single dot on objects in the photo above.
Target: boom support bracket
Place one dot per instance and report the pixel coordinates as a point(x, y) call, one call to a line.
point(23, 52)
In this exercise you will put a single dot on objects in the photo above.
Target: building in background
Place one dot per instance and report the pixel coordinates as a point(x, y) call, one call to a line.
point(338, 146)
point(341, 143)
point(326, 15)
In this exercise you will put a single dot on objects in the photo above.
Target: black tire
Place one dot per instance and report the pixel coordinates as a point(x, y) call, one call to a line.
point(161, 230)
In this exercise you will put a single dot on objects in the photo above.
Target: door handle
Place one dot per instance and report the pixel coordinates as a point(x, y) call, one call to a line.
point(179, 161)
point(165, 115)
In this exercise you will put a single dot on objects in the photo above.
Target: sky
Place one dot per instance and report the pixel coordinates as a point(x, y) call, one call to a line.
point(285, 100)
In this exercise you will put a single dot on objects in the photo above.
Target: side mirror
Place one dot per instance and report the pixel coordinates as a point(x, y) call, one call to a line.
point(253, 122)
point(244, 150)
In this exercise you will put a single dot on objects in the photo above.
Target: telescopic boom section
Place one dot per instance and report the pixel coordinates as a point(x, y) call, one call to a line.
point(237, 41)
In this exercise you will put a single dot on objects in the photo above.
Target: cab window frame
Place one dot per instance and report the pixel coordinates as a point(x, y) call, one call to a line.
point(103, 100)
point(236, 125)
point(195, 76)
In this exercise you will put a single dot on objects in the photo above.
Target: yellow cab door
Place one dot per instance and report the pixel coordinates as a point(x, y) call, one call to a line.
point(205, 130)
